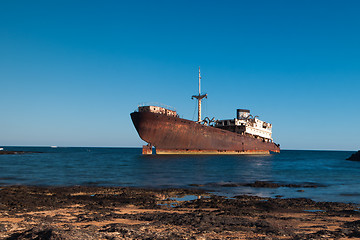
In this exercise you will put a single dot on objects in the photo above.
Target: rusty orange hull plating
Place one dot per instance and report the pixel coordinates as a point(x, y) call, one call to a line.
point(172, 135)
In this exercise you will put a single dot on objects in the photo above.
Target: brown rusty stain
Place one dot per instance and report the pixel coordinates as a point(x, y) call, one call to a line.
point(147, 150)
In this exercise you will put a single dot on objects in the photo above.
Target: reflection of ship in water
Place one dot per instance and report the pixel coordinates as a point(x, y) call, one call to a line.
point(163, 129)
point(224, 174)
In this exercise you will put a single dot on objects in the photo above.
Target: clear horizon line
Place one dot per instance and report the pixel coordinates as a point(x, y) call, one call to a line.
point(65, 146)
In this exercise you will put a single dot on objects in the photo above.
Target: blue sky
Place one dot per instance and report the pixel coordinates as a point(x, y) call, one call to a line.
point(72, 71)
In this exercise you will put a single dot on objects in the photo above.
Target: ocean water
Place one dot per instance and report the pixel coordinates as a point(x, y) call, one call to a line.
point(337, 179)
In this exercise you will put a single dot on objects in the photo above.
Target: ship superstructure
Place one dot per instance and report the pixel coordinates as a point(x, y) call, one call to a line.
point(158, 110)
point(163, 129)
point(245, 123)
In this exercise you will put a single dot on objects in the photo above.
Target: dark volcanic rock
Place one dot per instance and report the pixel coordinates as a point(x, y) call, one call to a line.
point(354, 229)
point(355, 156)
point(15, 152)
point(267, 184)
point(47, 232)
point(263, 184)
point(81, 212)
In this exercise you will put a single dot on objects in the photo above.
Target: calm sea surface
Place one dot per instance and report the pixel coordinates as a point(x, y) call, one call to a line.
point(338, 179)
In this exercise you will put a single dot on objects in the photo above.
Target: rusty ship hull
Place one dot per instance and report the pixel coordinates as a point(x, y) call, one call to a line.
point(174, 135)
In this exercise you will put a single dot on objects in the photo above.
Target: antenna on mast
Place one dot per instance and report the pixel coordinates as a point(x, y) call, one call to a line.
point(199, 82)
point(199, 98)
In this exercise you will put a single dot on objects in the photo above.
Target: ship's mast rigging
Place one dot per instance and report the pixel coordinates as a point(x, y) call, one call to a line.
point(199, 98)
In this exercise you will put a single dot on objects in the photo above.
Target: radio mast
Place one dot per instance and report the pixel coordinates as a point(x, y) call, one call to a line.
point(199, 98)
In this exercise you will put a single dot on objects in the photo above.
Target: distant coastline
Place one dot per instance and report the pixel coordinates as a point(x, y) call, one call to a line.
point(3, 152)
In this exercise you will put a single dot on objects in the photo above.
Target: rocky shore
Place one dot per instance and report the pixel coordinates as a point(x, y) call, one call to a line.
point(355, 156)
point(134, 213)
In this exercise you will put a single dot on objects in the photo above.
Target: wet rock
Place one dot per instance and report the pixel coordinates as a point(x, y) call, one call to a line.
point(45, 232)
point(15, 152)
point(262, 184)
point(354, 157)
point(347, 213)
point(267, 184)
point(196, 185)
point(230, 185)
